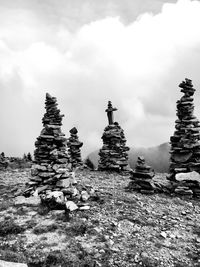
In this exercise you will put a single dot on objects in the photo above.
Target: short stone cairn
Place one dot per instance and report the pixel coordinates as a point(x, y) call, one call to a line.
point(185, 146)
point(3, 162)
point(141, 178)
point(52, 178)
point(74, 146)
point(113, 154)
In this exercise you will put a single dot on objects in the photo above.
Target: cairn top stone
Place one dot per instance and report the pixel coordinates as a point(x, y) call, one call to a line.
point(187, 87)
point(48, 95)
point(109, 111)
point(73, 130)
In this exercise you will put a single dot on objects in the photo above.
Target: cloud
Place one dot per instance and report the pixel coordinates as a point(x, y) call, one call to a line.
point(73, 14)
point(136, 65)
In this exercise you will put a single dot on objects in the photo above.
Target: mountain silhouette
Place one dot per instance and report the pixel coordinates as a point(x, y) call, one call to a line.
point(157, 157)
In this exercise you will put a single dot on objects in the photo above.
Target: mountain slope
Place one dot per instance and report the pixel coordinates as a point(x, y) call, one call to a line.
point(157, 157)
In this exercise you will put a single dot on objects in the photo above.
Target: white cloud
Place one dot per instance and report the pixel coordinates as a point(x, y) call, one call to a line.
point(138, 66)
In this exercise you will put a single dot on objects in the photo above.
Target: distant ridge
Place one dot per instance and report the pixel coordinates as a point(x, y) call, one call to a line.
point(157, 157)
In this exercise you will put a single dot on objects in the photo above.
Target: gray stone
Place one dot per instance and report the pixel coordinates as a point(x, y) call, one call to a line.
point(32, 201)
point(12, 264)
point(188, 176)
point(70, 205)
point(84, 195)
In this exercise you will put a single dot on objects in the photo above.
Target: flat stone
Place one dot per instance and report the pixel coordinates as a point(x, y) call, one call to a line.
point(84, 207)
point(36, 179)
point(181, 157)
point(38, 167)
point(42, 188)
point(64, 183)
point(12, 264)
point(33, 200)
point(61, 170)
point(46, 174)
point(188, 176)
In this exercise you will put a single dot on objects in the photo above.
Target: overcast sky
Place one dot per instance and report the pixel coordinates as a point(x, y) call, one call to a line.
point(86, 52)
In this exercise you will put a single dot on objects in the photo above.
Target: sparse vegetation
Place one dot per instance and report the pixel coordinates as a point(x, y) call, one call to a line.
point(196, 229)
point(8, 227)
point(4, 205)
point(40, 229)
point(76, 228)
point(122, 228)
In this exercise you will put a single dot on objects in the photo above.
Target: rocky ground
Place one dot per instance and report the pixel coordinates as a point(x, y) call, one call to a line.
point(120, 229)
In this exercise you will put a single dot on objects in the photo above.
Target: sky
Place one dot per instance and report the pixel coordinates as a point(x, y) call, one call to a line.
point(86, 52)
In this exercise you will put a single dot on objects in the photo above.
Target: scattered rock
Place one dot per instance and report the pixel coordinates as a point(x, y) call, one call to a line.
point(70, 205)
point(84, 195)
point(163, 234)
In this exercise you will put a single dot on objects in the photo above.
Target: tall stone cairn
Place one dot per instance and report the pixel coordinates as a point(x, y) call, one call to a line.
point(51, 170)
point(185, 145)
point(113, 154)
point(52, 178)
point(74, 146)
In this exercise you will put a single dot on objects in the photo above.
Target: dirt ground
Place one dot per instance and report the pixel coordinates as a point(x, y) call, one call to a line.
point(120, 229)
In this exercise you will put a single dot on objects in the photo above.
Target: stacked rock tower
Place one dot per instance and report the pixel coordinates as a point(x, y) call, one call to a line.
point(141, 178)
point(113, 154)
point(185, 145)
point(51, 171)
point(74, 146)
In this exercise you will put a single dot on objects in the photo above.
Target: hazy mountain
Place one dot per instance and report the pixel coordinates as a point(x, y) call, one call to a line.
point(157, 157)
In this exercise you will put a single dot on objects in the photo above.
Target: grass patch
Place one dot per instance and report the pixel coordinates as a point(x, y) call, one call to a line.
point(43, 209)
point(41, 229)
point(58, 259)
point(9, 255)
point(196, 230)
point(4, 205)
point(30, 224)
point(8, 227)
point(76, 228)
point(21, 211)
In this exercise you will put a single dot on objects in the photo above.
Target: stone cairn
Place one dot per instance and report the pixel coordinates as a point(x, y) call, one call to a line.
point(51, 175)
point(141, 178)
point(113, 154)
point(74, 146)
point(3, 162)
point(185, 146)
